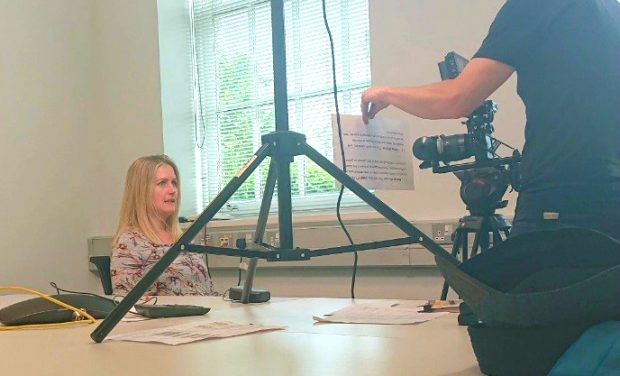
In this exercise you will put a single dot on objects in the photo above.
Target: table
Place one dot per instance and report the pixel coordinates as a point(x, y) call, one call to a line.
point(439, 347)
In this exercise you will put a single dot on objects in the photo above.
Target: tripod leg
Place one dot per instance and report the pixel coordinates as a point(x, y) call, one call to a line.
point(497, 237)
point(484, 234)
point(465, 246)
point(261, 224)
point(285, 218)
point(476, 244)
point(283, 160)
point(455, 252)
point(484, 241)
point(151, 276)
point(444, 290)
point(376, 204)
point(265, 205)
point(248, 281)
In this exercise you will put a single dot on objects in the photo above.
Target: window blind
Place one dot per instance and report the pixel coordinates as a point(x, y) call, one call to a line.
point(233, 92)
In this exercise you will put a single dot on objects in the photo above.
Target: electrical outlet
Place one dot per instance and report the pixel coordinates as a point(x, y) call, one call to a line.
point(272, 238)
point(442, 232)
point(226, 240)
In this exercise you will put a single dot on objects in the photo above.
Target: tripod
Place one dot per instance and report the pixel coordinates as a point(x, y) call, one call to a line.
point(282, 146)
point(483, 227)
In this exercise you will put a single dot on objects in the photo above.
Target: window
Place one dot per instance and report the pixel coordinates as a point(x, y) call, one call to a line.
point(233, 92)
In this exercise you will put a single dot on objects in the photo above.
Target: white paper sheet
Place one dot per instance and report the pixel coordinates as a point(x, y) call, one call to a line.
point(378, 313)
point(192, 332)
point(378, 154)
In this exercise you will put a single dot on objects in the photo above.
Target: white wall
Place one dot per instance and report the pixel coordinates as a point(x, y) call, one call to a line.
point(46, 105)
point(126, 99)
point(79, 100)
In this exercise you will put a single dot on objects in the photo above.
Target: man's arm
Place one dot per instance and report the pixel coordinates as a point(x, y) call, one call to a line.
point(450, 99)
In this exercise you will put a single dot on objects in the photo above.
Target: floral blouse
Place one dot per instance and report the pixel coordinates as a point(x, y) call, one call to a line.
point(134, 255)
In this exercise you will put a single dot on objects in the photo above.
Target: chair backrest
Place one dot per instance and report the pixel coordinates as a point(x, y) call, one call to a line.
point(103, 266)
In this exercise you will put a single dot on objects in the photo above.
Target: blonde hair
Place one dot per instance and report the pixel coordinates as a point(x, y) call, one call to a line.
point(137, 209)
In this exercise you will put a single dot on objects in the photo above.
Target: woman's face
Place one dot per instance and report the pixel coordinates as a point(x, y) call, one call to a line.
point(165, 191)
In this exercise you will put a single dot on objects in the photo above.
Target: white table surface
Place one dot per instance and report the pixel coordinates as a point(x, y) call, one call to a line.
point(438, 347)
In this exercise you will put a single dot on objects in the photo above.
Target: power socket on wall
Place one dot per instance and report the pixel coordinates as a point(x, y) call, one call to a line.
point(442, 232)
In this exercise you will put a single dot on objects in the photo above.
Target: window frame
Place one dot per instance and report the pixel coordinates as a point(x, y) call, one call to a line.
point(210, 159)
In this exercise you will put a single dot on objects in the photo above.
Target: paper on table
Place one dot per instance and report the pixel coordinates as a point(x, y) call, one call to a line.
point(191, 332)
point(378, 313)
point(378, 154)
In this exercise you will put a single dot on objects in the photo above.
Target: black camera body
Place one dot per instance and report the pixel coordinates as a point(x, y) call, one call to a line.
point(477, 142)
point(485, 180)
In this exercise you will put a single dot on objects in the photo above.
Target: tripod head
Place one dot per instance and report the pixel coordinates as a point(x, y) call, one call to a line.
point(482, 189)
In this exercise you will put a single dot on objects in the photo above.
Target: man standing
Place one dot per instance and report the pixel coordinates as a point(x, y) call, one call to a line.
point(567, 57)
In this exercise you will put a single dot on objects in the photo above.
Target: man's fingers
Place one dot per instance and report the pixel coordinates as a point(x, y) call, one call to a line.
point(370, 113)
point(374, 109)
point(364, 107)
point(370, 105)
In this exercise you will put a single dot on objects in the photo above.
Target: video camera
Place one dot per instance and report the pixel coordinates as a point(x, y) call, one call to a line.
point(485, 180)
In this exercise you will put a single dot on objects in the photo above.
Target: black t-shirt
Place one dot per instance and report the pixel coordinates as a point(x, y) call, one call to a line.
point(567, 57)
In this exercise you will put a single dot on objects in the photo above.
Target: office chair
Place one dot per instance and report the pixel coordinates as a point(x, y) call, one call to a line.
point(103, 266)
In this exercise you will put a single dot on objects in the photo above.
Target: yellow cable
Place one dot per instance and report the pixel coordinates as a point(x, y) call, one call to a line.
point(82, 317)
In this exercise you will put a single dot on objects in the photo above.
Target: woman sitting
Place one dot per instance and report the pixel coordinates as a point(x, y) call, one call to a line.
point(148, 226)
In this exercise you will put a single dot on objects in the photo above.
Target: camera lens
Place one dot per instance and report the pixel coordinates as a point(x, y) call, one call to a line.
point(443, 148)
point(425, 148)
point(454, 147)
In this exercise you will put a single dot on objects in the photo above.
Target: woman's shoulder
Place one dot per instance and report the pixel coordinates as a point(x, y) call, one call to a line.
point(133, 238)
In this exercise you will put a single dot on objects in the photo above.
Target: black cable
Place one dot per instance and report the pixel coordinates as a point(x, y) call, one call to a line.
point(59, 289)
point(344, 164)
point(199, 120)
point(207, 265)
point(205, 243)
point(503, 143)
